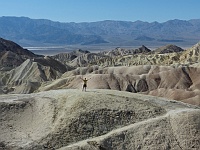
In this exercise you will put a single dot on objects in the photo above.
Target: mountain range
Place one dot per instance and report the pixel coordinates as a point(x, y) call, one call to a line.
point(39, 32)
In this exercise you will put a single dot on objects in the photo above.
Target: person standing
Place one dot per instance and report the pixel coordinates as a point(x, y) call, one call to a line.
point(85, 83)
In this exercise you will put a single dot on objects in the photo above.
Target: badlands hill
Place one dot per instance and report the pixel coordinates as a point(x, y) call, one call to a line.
point(167, 72)
point(22, 68)
point(179, 83)
point(12, 55)
point(96, 120)
point(42, 105)
point(6, 45)
point(28, 77)
point(166, 55)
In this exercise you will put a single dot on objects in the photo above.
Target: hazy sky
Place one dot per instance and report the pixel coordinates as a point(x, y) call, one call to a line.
point(98, 10)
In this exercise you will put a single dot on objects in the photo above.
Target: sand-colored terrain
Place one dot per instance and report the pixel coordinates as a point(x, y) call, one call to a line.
point(97, 119)
point(169, 72)
point(178, 83)
point(136, 99)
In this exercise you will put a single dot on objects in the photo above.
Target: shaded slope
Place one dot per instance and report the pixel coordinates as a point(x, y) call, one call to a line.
point(10, 59)
point(27, 77)
point(13, 55)
point(6, 45)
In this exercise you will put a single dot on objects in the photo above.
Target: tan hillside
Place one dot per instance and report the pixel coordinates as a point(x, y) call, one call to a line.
point(179, 83)
point(129, 103)
point(97, 119)
point(191, 55)
point(171, 75)
point(165, 55)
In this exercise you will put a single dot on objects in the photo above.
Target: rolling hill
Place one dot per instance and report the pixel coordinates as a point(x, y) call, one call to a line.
point(96, 120)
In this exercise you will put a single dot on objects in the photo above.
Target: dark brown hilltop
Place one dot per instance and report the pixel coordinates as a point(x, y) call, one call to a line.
point(12, 55)
point(6, 45)
point(169, 49)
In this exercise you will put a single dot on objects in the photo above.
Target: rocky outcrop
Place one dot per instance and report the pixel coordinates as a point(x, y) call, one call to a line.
point(191, 55)
point(97, 119)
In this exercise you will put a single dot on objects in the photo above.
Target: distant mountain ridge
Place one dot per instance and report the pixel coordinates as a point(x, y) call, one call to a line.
point(26, 31)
